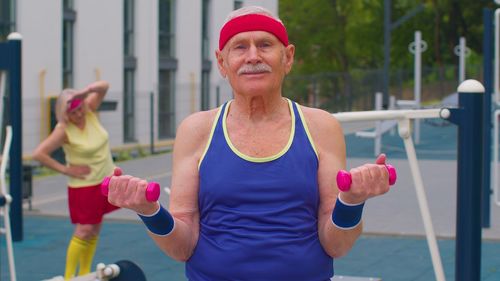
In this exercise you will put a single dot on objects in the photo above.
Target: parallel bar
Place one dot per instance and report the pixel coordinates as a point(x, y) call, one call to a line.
point(488, 55)
point(496, 151)
point(6, 208)
point(469, 184)
point(496, 70)
point(391, 114)
point(16, 152)
point(403, 117)
point(422, 202)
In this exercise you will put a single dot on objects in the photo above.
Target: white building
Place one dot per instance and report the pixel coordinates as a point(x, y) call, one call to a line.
point(156, 54)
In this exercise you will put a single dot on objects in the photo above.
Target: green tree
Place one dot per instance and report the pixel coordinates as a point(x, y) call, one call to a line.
point(341, 35)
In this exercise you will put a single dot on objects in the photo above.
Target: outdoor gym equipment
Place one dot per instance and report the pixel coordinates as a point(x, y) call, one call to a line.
point(123, 270)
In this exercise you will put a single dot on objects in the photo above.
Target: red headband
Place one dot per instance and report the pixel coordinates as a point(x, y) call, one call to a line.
point(252, 22)
point(74, 104)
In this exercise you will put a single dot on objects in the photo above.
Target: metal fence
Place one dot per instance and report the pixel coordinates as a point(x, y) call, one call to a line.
point(355, 90)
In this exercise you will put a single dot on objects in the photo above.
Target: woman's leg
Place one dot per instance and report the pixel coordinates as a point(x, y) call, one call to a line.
point(81, 249)
point(75, 248)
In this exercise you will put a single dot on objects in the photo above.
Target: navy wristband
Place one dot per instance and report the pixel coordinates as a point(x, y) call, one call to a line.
point(345, 216)
point(160, 223)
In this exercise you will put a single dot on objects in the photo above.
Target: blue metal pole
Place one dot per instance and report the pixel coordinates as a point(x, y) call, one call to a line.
point(488, 85)
point(469, 117)
point(151, 123)
point(16, 150)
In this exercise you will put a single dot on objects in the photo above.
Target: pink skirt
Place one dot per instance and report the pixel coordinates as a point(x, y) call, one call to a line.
point(87, 205)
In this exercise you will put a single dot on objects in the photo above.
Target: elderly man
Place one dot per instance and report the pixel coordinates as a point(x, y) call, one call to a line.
point(253, 192)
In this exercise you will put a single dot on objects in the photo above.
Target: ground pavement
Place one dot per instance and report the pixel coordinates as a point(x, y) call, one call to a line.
point(392, 247)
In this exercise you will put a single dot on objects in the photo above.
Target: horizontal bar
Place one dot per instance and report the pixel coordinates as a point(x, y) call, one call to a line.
point(375, 115)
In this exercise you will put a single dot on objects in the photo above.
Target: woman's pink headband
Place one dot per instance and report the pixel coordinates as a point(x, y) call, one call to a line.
point(252, 22)
point(74, 104)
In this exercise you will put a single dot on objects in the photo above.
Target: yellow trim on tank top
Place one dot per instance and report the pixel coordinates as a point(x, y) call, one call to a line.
point(210, 136)
point(304, 124)
point(259, 159)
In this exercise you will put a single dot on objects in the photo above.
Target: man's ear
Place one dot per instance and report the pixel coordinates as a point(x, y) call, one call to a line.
point(220, 63)
point(289, 57)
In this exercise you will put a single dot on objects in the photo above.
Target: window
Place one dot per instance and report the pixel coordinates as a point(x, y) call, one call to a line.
point(238, 4)
point(205, 30)
point(166, 104)
point(128, 27)
point(130, 66)
point(7, 18)
point(166, 29)
point(167, 68)
point(69, 18)
point(129, 105)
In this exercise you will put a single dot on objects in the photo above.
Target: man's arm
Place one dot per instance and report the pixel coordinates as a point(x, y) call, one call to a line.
point(179, 228)
point(369, 180)
point(190, 142)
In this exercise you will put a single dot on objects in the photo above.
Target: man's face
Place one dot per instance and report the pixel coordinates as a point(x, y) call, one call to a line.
point(255, 62)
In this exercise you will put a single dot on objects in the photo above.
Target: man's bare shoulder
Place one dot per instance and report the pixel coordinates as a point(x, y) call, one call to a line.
point(197, 126)
point(320, 120)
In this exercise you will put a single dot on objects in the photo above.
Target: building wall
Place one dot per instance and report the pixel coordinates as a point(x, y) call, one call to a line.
point(188, 52)
point(39, 22)
point(98, 54)
point(146, 50)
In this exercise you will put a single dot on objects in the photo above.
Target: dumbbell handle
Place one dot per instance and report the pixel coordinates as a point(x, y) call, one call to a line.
point(152, 190)
point(344, 178)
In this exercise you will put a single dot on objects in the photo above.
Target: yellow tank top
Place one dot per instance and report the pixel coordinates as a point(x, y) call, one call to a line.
point(89, 146)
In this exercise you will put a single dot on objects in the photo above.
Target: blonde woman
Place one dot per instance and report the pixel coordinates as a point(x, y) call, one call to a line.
point(88, 161)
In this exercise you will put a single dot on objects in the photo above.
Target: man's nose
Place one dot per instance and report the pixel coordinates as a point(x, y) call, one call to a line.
point(253, 54)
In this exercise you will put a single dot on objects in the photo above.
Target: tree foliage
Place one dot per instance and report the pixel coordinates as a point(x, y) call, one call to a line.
point(342, 35)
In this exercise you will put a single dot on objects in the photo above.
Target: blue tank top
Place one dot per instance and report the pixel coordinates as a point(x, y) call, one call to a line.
point(258, 216)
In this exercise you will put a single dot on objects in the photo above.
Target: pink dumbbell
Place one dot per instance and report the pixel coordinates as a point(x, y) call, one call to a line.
point(344, 178)
point(152, 190)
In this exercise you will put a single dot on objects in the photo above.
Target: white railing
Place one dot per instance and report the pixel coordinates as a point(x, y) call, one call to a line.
point(496, 69)
point(403, 117)
point(496, 152)
point(381, 127)
point(496, 91)
point(5, 209)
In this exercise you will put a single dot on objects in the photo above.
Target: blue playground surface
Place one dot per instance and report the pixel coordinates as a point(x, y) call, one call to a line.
point(396, 258)
point(438, 141)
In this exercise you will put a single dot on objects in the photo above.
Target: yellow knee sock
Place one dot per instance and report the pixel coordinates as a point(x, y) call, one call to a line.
point(87, 256)
point(76, 247)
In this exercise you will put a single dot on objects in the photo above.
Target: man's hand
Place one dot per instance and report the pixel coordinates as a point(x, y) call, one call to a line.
point(368, 180)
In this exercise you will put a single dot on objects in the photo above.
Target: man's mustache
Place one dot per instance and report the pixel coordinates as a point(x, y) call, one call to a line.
point(254, 68)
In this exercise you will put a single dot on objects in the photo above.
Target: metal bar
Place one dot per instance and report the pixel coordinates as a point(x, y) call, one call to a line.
point(488, 19)
point(151, 124)
point(496, 70)
point(469, 181)
point(404, 126)
point(391, 114)
point(6, 216)
point(16, 120)
point(403, 117)
point(461, 59)
point(418, 81)
point(496, 151)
